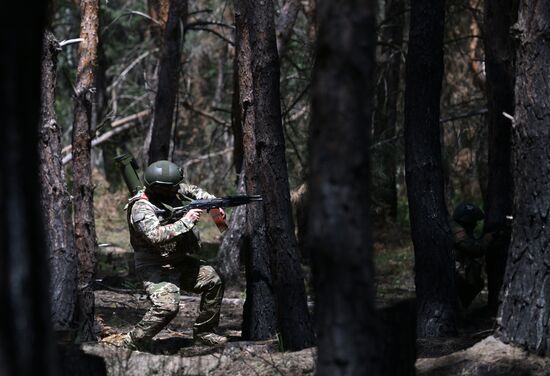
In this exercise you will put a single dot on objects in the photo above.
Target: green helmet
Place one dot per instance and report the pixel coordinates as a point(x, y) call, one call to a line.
point(467, 213)
point(162, 174)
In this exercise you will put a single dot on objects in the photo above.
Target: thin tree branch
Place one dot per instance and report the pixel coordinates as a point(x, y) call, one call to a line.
point(191, 25)
point(207, 115)
point(130, 13)
point(207, 156)
point(213, 32)
point(123, 74)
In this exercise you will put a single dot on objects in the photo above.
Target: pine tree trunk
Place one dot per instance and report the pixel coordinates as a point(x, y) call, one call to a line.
point(500, 70)
point(234, 240)
point(26, 345)
point(55, 199)
point(525, 308)
point(168, 83)
point(103, 118)
point(236, 112)
point(292, 313)
point(338, 226)
point(434, 263)
point(259, 316)
point(385, 125)
point(85, 236)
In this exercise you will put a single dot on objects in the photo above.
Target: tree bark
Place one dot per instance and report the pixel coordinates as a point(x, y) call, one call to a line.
point(338, 226)
point(85, 236)
point(168, 83)
point(292, 313)
point(434, 264)
point(385, 125)
point(259, 316)
point(55, 199)
point(26, 345)
point(525, 308)
point(234, 240)
point(500, 71)
point(103, 119)
point(236, 114)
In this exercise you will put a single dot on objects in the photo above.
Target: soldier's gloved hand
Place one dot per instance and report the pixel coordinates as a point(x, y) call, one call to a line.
point(193, 215)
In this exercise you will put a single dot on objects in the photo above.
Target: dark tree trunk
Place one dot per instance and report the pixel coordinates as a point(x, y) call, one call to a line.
point(338, 227)
point(292, 313)
point(434, 264)
point(103, 120)
point(236, 111)
point(385, 123)
point(525, 308)
point(500, 70)
point(259, 316)
point(167, 85)
point(232, 247)
point(234, 241)
point(85, 236)
point(26, 346)
point(55, 199)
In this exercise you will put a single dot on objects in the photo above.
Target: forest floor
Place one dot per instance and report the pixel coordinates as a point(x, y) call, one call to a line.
point(121, 302)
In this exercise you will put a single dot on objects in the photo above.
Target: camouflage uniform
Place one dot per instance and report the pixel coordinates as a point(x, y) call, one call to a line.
point(469, 262)
point(163, 263)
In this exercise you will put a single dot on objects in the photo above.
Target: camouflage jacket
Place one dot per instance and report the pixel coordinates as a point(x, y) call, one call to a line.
point(466, 246)
point(157, 244)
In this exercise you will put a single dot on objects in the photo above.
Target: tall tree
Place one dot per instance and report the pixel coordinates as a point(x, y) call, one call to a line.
point(500, 72)
point(55, 198)
point(234, 241)
point(259, 316)
point(385, 121)
point(525, 308)
point(102, 118)
point(338, 236)
point(293, 319)
point(434, 264)
point(84, 223)
point(167, 85)
point(26, 346)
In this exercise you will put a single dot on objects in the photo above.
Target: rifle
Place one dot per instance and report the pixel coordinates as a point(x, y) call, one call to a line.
point(178, 212)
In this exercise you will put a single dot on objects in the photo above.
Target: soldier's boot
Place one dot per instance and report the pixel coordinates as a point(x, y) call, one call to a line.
point(135, 345)
point(209, 339)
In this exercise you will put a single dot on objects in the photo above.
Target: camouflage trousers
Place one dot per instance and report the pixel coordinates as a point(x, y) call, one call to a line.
point(163, 285)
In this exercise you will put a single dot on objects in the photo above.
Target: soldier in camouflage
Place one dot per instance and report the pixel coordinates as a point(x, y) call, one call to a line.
point(469, 251)
point(162, 256)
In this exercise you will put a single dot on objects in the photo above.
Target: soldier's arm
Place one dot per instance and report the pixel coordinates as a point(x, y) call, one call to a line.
point(145, 221)
point(194, 192)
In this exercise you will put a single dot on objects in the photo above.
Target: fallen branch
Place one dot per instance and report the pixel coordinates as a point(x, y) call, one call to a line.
point(119, 126)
